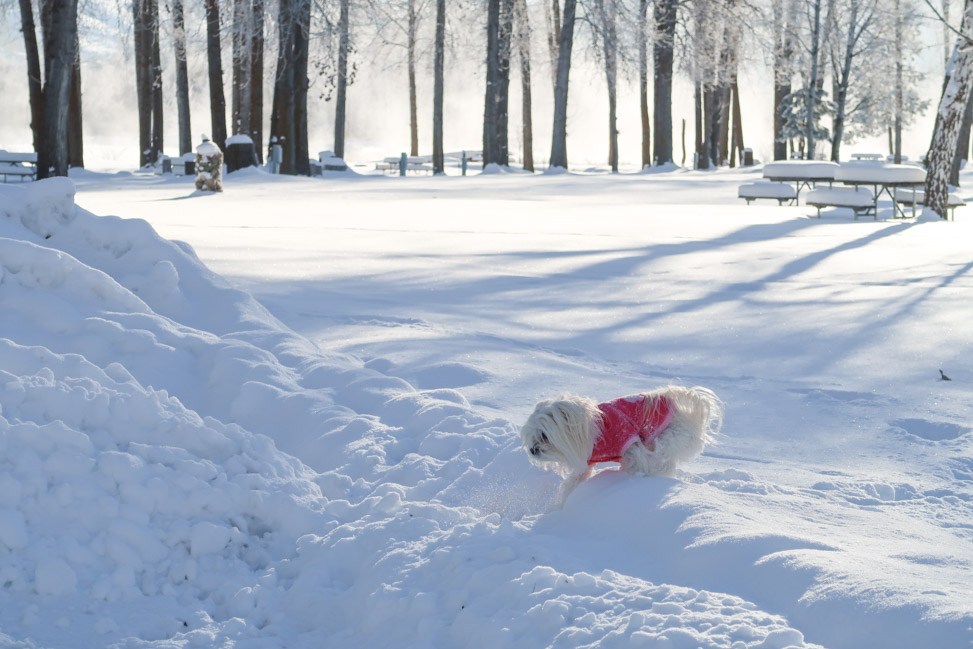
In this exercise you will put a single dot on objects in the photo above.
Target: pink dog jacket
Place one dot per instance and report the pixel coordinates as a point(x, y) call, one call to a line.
point(627, 420)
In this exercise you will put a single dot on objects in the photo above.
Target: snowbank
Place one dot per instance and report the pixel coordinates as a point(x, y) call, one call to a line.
point(178, 468)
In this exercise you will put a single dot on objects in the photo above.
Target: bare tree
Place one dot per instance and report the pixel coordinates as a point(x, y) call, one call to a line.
point(217, 99)
point(182, 77)
point(439, 58)
point(496, 101)
point(559, 149)
point(34, 79)
point(75, 130)
point(60, 56)
point(664, 16)
point(341, 81)
point(257, 77)
point(288, 120)
point(240, 102)
point(605, 22)
point(522, 38)
point(784, 24)
point(644, 83)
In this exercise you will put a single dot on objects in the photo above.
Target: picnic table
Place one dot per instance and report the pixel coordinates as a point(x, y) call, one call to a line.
point(802, 173)
point(19, 165)
point(888, 179)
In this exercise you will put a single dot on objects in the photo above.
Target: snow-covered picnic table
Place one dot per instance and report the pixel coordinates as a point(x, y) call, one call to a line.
point(803, 173)
point(22, 166)
point(886, 179)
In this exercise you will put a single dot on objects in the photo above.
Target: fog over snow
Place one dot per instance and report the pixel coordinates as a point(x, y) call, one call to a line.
point(286, 415)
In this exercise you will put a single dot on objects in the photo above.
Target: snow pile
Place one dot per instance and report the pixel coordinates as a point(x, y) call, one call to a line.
point(179, 468)
point(145, 498)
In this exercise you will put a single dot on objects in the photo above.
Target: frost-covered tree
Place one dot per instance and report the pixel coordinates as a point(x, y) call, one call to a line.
point(398, 28)
point(949, 117)
point(714, 42)
point(866, 104)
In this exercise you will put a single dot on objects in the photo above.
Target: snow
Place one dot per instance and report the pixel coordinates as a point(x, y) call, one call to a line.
point(880, 173)
point(311, 440)
point(805, 169)
point(239, 138)
point(766, 190)
point(844, 196)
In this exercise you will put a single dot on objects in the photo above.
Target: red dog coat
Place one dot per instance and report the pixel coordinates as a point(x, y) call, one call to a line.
point(627, 420)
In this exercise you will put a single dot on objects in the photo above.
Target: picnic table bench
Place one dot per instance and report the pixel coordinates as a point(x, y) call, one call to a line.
point(859, 199)
point(19, 165)
point(414, 164)
point(915, 197)
point(779, 191)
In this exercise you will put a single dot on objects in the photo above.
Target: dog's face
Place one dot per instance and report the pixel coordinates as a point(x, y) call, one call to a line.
point(558, 433)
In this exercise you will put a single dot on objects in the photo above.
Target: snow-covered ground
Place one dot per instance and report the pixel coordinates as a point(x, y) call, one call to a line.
point(309, 437)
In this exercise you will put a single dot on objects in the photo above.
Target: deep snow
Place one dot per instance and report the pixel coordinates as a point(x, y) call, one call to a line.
point(337, 460)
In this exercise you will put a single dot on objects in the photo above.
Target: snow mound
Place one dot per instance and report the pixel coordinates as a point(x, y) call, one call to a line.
point(178, 468)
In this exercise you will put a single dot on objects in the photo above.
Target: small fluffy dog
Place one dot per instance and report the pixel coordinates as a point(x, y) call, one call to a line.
point(649, 433)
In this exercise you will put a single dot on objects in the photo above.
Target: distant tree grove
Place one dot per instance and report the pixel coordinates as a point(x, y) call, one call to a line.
point(840, 70)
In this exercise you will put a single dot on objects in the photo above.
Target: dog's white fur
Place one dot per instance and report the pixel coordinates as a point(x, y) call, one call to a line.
point(561, 434)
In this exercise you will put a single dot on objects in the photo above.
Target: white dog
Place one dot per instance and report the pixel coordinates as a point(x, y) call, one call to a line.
point(648, 434)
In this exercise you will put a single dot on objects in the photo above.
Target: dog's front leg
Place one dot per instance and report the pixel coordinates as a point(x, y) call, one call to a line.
point(569, 483)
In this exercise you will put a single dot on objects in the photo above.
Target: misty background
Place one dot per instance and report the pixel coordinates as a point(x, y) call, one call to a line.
point(378, 114)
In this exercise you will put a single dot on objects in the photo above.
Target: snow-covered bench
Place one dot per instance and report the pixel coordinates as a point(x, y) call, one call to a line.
point(859, 199)
point(918, 197)
point(780, 192)
point(413, 164)
point(22, 166)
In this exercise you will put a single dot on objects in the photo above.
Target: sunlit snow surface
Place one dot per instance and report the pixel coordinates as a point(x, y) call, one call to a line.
point(312, 440)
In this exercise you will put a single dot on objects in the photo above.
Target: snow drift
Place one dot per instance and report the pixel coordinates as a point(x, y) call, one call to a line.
point(178, 468)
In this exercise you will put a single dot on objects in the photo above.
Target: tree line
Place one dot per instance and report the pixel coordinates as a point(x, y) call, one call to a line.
point(841, 70)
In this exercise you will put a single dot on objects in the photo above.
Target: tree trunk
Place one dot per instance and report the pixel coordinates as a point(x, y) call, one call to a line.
point(240, 96)
point(962, 143)
point(736, 152)
point(143, 77)
point(302, 51)
point(899, 90)
point(257, 78)
point(156, 81)
point(553, 13)
point(559, 149)
point(702, 159)
point(606, 17)
point(496, 104)
point(490, 108)
point(34, 80)
point(783, 54)
point(523, 50)
point(413, 100)
point(812, 86)
point(217, 99)
point(841, 86)
point(52, 159)
point(664, 14)
point(439, 57)
point(341, 96)
point(182, 78)
point(75, 125)
point(949, 117)
point(644, 84)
